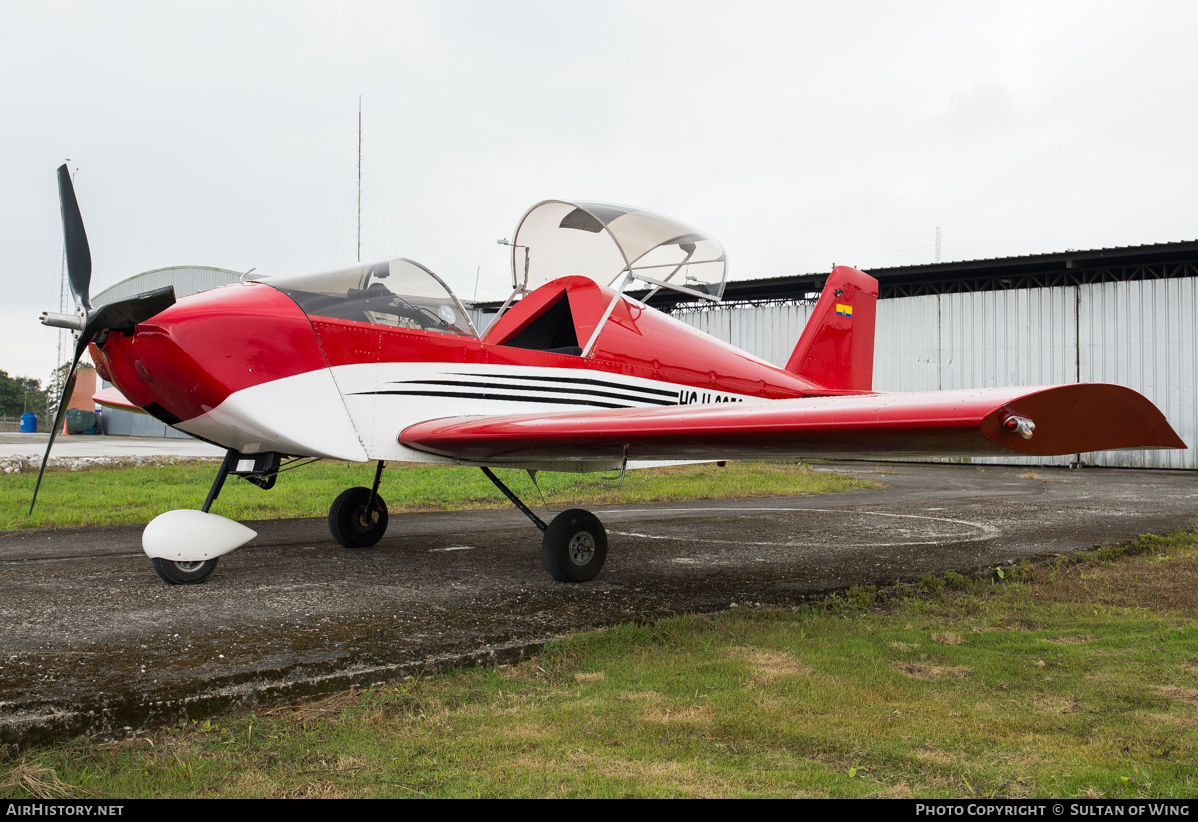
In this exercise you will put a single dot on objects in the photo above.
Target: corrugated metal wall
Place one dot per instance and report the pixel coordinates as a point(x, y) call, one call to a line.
point(1139, 333)
point(769, 332)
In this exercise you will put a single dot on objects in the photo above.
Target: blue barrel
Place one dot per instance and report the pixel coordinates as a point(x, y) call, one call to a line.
point(29, 423)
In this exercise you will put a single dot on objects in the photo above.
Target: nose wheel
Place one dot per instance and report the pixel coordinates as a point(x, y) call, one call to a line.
point(183, 573)
point(357, 521)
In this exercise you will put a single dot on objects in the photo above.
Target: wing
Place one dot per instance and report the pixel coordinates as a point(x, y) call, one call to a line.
point(1067, 419)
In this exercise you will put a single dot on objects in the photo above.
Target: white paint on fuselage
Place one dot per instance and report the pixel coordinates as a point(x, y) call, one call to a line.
point(356, 412)
point(302, 415)
point(428, 391)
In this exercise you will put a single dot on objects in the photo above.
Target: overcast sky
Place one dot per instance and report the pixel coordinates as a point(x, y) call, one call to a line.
point(798, 134)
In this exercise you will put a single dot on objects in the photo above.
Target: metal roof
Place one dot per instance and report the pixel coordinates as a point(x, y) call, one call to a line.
point(187, 279)
point(1070, 267)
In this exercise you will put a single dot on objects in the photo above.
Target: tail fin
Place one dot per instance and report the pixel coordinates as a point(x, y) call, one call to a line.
point(836, 348)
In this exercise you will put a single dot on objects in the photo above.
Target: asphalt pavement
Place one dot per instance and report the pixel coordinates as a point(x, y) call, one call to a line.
point(94, 642)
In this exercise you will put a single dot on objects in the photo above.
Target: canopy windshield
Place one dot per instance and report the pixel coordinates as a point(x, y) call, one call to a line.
point(603, 242)
point(400, 293)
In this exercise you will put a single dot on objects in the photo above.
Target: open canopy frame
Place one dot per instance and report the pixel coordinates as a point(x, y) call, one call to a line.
point(610, 243)
point(603, 242)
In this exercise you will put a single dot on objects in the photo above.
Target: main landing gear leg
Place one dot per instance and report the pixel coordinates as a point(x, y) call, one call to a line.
point(574, 545)
point(358, 517)
point(193, 573)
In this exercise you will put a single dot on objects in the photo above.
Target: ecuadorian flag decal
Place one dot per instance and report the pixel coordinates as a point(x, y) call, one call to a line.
point(844, 310)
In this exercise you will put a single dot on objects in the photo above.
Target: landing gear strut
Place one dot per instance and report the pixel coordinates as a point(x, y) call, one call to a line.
point(574, 545)
point(358, 517)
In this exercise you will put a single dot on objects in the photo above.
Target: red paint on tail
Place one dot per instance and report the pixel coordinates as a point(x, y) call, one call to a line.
point(836, 348)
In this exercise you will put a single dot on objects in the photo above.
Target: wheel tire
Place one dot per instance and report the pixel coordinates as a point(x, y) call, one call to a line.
point(183, 573)
point(348, 522)
point(574, 547)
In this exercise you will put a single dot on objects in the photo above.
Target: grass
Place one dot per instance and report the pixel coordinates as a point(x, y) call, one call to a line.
point(1074, 679)
point(118, 496)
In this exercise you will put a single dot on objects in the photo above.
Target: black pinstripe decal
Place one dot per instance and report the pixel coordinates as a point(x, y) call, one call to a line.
point(600, 383)
point(500, 397)
point(546, 389)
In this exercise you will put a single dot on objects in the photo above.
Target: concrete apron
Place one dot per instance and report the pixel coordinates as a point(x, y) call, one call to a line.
point(83, 445)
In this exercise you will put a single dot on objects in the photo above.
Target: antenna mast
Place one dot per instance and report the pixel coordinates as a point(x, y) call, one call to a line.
point(359, 178)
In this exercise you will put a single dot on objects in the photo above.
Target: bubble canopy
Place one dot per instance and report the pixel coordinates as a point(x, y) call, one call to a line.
point(603, 242)
point(398, 292)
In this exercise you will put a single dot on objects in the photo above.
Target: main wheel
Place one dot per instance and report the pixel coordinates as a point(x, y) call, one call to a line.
point(183, 573)
point(574, 547)
point(350, 523)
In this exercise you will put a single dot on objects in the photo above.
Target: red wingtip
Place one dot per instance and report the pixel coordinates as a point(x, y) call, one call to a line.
point(1071, 419)
point(1164, 437)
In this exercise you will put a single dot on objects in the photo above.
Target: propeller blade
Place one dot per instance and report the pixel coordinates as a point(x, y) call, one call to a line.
point(63, 402)
point(79, 256)
point(124, 315)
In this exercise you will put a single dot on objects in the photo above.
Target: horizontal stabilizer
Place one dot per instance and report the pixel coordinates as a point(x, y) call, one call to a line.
point(1066, 419)
point(113, 398)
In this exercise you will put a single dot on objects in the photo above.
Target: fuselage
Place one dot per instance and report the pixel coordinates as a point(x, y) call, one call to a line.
point(246, 367)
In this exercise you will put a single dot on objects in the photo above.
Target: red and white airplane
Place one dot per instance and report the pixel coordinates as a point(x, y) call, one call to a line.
point(380, 362)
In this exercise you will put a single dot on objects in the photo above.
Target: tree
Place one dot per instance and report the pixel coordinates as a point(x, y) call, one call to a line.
point(58, 379)
point(21, 394)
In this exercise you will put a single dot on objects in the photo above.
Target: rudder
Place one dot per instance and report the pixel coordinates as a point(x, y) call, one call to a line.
point(836, 348)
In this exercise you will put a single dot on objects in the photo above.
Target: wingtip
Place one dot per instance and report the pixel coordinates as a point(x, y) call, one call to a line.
point(1164, 437)
point(1081, 417)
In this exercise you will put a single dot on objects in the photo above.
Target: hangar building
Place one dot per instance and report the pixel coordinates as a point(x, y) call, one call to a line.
point(187, 280)
point(1117, 315)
